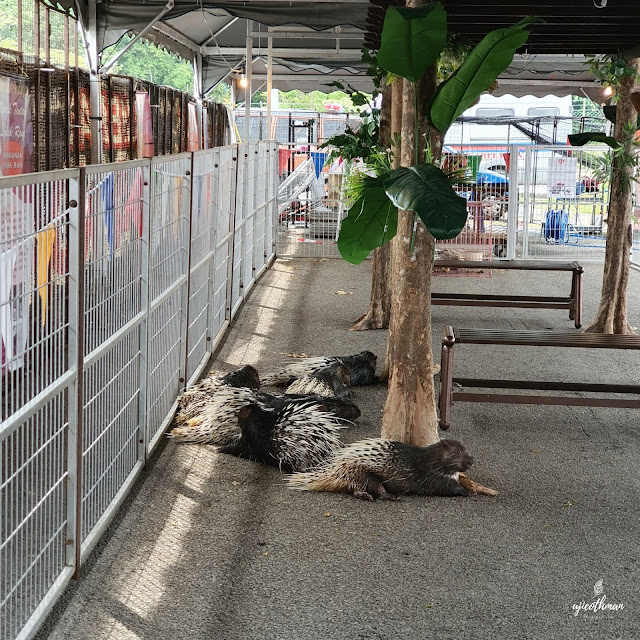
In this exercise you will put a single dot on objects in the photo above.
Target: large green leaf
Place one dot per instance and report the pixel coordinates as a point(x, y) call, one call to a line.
point(426, 190)
point(578, 139)
point(610, 114)
point(371, 221)
point(483, 65)
point(412, 39)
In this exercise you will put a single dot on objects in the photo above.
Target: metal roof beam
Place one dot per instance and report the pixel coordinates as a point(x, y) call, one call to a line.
point(326, 54)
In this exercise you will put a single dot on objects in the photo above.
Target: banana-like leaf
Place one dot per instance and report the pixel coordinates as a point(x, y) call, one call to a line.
point(578, 139)
point(371, 221)
point(483, 65)
point(426, 190)
point(610, 114)
point(412, 39)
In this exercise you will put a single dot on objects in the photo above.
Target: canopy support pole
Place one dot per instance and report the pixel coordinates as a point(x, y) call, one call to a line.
point(197, 92)
point(95, 85)
point(269, 84)
point(247, 89)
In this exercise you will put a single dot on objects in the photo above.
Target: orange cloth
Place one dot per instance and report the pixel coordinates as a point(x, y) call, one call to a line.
point(45, 240)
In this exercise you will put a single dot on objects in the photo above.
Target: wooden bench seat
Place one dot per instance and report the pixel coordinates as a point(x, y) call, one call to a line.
point(573, 302)
point(452, 336)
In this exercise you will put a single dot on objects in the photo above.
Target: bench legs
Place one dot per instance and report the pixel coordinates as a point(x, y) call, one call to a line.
point(446, 377)
point(575, 313)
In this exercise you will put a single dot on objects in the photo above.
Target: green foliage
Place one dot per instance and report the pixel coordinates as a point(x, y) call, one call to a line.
point(482, 66)
point(145, 61)
point(610, 114)
point(426, 190)
point(361, 143)
point(451, 57)
point(579, 139)
point(371, 221)
point(220, 93)
point(315, 100)
point(412, 39)
point(610, 69)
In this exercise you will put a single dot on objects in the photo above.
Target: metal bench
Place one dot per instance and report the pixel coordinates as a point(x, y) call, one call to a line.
point(452, 336)
point(573, 302)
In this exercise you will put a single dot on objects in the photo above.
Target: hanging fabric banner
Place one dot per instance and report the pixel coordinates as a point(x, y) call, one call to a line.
point(283, 159)
point(133, 206)
point(319, 159)
point(145, 130)
point(44, 244)
point(106, 188)
point(194, 138)
point(16, 127)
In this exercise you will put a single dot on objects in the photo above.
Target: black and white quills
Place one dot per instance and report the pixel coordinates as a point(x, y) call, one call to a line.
point(362, 369)
point(332, 380)
point(209, 410)
point(378, 468)
point(295, 438)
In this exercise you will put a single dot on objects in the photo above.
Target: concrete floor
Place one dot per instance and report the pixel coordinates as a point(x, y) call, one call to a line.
point(213, 547)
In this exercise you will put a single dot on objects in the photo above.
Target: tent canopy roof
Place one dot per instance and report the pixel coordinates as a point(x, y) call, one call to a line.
point(218, 31)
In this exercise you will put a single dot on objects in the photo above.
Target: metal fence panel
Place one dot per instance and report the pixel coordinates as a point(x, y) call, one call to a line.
point(169, 259)
point(565, 199)
point(38, 373)
point(115, 331)
point(203, 243)
point(120, 287)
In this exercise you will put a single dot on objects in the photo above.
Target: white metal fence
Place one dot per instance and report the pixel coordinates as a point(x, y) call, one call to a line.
point(533, 202)
point(116, 286)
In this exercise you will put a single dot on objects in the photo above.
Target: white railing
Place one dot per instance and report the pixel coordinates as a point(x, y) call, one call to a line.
point(539, 202)
point(117, 284)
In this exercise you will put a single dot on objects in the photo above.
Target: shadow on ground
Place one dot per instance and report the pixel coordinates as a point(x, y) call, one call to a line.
point(213, 547)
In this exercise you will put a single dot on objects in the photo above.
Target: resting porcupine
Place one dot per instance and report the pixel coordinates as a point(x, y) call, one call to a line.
point(212, 417)
point(296, 438)
point(195, 399)
point(362, 369)
point(378, 468)
point(333, 380)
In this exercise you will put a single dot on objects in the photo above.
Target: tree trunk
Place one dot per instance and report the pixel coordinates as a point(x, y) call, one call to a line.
point(380, 305)
point(612, 312)
point(410, 411)
point(397, 87)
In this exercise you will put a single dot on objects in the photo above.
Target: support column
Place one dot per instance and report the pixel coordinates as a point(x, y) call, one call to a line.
point(247, 90)
point(269, 84)
point(95, 88)
point(197, 92)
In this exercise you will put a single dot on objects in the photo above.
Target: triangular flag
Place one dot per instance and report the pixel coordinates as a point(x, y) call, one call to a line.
point(45, 239)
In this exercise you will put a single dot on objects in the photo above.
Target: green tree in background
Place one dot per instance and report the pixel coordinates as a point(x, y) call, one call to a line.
point(145, 61)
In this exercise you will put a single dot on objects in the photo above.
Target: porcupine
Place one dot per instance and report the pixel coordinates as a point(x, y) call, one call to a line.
point(379, 468)
point(295, 438)
point(194, 399)
point(362, 369)
point(209, 411)
point(332, 380)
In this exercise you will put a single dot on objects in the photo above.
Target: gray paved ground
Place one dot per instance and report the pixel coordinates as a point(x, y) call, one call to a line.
point(213, 547)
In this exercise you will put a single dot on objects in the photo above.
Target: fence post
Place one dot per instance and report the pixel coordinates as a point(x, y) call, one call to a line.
point(186, 290)
point(76, 360)
point(512, 211)
point(212, 176)
point(527, 202)
point(145, 252)
point(235, 159)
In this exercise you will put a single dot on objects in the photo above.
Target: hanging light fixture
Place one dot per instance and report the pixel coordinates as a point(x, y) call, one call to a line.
point(243, 81)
